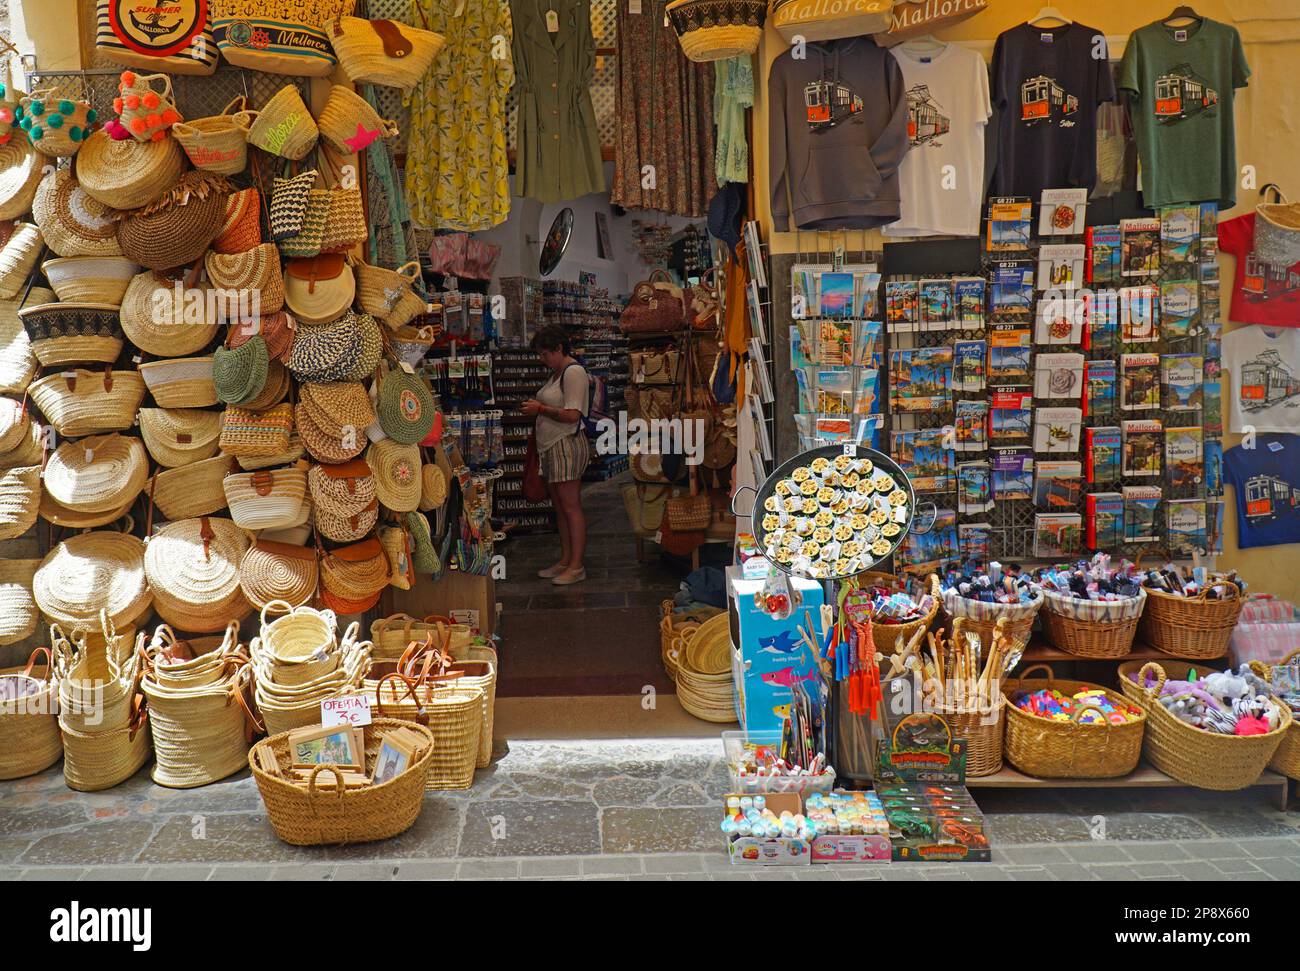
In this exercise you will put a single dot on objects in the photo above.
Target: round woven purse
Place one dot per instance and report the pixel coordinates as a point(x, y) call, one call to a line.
point(347, 527)
point(89, 572)
point(97, 474)
point(20, 500)
point(355, 572)
point(276, 330)
point(72, 222)
point(15, 424)
point(128, 174)
point(179, 436)
point(256, 270)
point(278, 571)
point(404, 405)
point(175, 229)
point(324, 447)
point(341, 490)
point(21, 170)
point(320, 289)
point(81, 402)
point(162, 316)
point(326, 352)
point(240, 374)
point(396, 468)
point(193, 569)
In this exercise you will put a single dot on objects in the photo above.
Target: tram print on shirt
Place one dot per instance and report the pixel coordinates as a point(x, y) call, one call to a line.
point(1266, 380)
point(926, 121)
point(1182, 93)
point(829, 102)
point(1042, 99)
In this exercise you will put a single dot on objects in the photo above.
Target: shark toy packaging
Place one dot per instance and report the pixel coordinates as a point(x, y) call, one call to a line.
point(772, 655)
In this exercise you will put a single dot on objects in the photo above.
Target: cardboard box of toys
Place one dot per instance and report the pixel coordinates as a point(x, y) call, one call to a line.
point(934, 823)
point(858, 828)
point(745, 847)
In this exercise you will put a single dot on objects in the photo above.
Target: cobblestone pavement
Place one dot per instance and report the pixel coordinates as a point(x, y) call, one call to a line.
point(616, 810)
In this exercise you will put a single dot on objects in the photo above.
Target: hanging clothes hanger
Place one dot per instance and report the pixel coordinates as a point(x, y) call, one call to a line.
point(925, 44)
point(1183, 12)
point(1049, 13)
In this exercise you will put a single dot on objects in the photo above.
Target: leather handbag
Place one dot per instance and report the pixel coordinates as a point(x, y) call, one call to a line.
point(318, 290)
point(657, 306)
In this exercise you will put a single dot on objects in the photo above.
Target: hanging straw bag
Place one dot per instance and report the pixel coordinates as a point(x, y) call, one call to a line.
point(404, 405)
point(72, 222)
point(81, 402)
point(126, 38)
point(1277, 230)
point(273, 571)
point(90, 279)
point(715, 30)
point(389, 295)
point(242, 227)
point(193, 569)
point(341, 489)
point(29, 726)
point(317, 291)
point(686, 513)
point(355, 572)
point(17, 361)
point(73, 333)
point(57, 126)
point(185, 382)
point(145, 105)
point(20, 248)
point(179, 436)
point(18, 612)
point(254, 433)
point(453, 714)
point(20, 500)
point(277, 36)
point(339, 409)
point(255, 270)
point(384, 51)
point(396, 468)
point(266, 499)
point(284, 126)
point(241, 375)
point(21, 171)
point(289, 204)
point(128, 174)
point(276, 331)
point(349, 124)
point(176, 229)
point(824, 22)
point(217, 143)
point(97, 474)
point(191, 490)
point(398, 548)
point(345, 221)
point(10, 97)
point(162, 315)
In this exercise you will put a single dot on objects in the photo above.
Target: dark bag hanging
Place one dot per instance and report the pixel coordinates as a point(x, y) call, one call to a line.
point(534, 489)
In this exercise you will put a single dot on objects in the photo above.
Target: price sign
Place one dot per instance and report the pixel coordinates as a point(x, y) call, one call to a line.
point(347, 710)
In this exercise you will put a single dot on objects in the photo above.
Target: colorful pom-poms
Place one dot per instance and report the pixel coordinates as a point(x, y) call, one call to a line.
point(151, 100)
point(171, 116)
point(66, 107)
point(159, 135)
point(153, 121)
point(54, 121)
point(76, 134)
point(117, 105)
point(25, 124)
point(138, 126)
point(128, 78)
point(37, 133)
point(92, 116)
point(6, 115)
point(36, 108)
point(132, 102)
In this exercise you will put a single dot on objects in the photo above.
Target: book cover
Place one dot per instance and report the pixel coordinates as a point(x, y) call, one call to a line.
point(1143, 447)
point(1011, 291)
point(1100, 380)
point(974, 487)
point(1101, 454)
point(1179, 309)
point(921, 454)
point(1212, 397)
point(1184, 460)
point(1058, 484)
point(1057, 534)
point(920, 379)
point(1141, 507)
point(1209, 219)
point(937, 306)
point(970, 427)
point(1013, 473)
point(1139, 382)
point(1214, 528)
point(1009, 224)
point(968, 366)
point(1101, 313)
point(1103, 243)
point(1180, 236)
point(836, 295)
point(1010, 348)
point(1181, 382)
point(1058, 376)
point(1057, 430)
point(1138, 310)
point(1059, 320)
point(1011, 409)
point(1061, 212)
point(1060, 266)
point(1185, 526)
point(902, 305)
point(976, 541)
point(1104, 520)
point(968, 291)
point(1140, 247)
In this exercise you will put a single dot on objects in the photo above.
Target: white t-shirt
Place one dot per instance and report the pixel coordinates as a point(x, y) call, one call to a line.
point(571, 395)
point(942, 176)
point(1263, 368)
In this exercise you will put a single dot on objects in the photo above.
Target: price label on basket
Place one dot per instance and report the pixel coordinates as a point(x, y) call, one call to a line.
point(347, 710)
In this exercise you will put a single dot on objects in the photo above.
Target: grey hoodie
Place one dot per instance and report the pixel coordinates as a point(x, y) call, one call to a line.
point(834, 163)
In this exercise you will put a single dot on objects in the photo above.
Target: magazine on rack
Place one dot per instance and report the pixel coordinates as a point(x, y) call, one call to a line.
point(1139, 307)
point(1057, 430)
point(1181, 382)
point(1184, 458)
point(755, 304)
point(1011, 411)
point(1141, 507)
point(970, 427)
point(1061, 212)
point(1057, 534)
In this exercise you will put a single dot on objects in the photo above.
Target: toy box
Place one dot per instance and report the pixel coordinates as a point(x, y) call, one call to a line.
point(934, 823)
point(851, 849)
point(770, 851)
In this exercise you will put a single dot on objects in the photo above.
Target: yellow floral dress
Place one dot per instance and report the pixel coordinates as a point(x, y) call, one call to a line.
point(457, 170)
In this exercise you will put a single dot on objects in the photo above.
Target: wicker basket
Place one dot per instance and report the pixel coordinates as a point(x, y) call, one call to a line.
point(21, 248)
point(302, 645)
point(392, 635)
point(98, 684)
point(191, 490)
point(1194, 756)
point(981, 728)
point(80, 402)
point(182, 382)
point(102, 760)
point(886, 635)
point(284, 126)
point(199, 732)
point(1050, 749)
point(29, 728)
point(1091, 628)
point(387, 295)
point(981, 618)
point(90, 279)
point(345, 111)
point(284, 707)
point(217, 143)
point(316, 816)
point(1191, 627)
point(715, 30)
point(1286, 759)
point(704, 680)
point(452, 713)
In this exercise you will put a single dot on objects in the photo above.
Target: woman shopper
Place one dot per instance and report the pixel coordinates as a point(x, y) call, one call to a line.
point(562, 448)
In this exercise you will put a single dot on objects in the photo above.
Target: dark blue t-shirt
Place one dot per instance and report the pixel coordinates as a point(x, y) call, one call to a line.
point(1266, 480)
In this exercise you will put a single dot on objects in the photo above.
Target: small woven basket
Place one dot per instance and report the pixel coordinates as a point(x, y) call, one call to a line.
point(387, 295)
point(81, 402)
point(284, 126)
point(344, 111)
point(29, 726)
point(217, 143)
point(886, 635)
point(1091, 628)
point(715, 30)
point(1192, 627)
point(982, 618)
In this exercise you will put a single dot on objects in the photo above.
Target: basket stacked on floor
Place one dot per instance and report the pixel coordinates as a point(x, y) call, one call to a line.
point(704, 681)
point(29, 726)
point(453, 714)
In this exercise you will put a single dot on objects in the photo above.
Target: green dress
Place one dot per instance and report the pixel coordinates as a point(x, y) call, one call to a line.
point(557, 151)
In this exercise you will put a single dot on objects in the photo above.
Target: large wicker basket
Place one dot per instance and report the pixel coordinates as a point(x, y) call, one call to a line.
point(323, 812)
point(29, 726)
point(981, 728)
point(1088, 628)
point(886, 635)
point(1286, 759)
point(1192, 627)
point(1194, 756)
point(1052, 749)
point(453, 714)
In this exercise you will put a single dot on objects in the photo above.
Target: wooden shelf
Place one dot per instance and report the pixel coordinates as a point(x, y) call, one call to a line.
point(1039, 650)
point(1143, 777)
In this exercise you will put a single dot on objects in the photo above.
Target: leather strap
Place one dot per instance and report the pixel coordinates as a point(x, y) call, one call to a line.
point(390, 35)
point(262, 482)
point(207, 535)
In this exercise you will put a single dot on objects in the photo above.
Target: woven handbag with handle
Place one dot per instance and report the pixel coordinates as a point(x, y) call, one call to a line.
point(252, 433)
point(217, 143)
point(687, 513)
point(357, 571)
point(348, 123)
point(145, 105)
point(657, 306)
point(383, 51)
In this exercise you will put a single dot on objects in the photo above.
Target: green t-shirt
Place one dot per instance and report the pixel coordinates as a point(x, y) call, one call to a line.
point(1181, 83)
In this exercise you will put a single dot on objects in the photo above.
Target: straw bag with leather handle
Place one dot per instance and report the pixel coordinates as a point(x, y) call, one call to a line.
point(145, 105)
point(217, 143)
point(277, 36)
point(72, 222)
point(125, 37)
point(97, 474)
point(912, 18)
point(253, 433)
point(193, 570)
point(177, 437)
point(355, 572)
point(387, 295)
point(793, 18)
point(176, 229)
point(89, 279)
point(349, 124)
point(283, 126)
point(404, 405)
point(399, 548)
point(655, 367)
point(21, 171)
point(29, 727)
point(687, 513)
point(657, 306)
point(273, 571)
point(20, 248)
point(347, 527)
point(644, 504)
point(341, 490)
point(318, 290)
point(191, 490)
point(267, 498)
point(241, 229)
point(340, 409)
point(714, 30)
point(384, 51)
point(255, 270)
point(82, 402)
point(57, 125)
point(89, 572)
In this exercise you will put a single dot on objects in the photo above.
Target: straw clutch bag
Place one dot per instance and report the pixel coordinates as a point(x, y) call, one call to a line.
point(180, 436)
point(21, 169)
point(327, 352)
point(193, 570)
point(355, 572)
point(72, 222)
point(255, 270)
point(70, 333)
point(175, 230)
point(384, 51)
point(97, 474)
point(191, 490)
point(341, 489)
point(90, 279)
point(161, 316)
point(128, 174)
point(247, 432)
point(319, 289)
point(90, 572)
point(240, 375)
point(85, 402)
point(404, 406)
point(217, 143)
point(396, 468)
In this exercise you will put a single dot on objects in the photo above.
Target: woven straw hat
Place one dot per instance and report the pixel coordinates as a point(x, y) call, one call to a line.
point(180, 436)
point(278, 571)
point(191, 490)
point(14, 424)
point(18, 613)
point(29, 451)
point(17, 361)
point(97, 474)
point(323, 446)
point(336, 405)
point(128, 174)
point(72, 333)
point(72, 222)
point(55, 512)
point(193, 568)
point(175, 230)
point(90, 572)
point(21, 168)
point(396, 468)
point(183, 382)
point(154, 323)
point(20, 498)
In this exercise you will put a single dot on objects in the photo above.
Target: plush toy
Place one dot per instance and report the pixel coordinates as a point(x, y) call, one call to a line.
point(1250, 725)
point(1227, 686)
point(1175, 688)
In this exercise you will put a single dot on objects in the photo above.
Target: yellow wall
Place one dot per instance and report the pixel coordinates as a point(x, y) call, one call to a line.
point(1268, 138)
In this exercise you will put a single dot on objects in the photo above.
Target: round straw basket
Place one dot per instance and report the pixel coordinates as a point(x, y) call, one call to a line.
point(193, 569)
point(217, 143)
point(981, 728)
point(1192, 627)
point(886, 635)
point(1091, 628)
point(97, 474)
point(344, 110)
point(208, 665)
point(90, 572)
point(981, 618)
point(72, 222)
point(18, 613)
point(21, 171)
point(714, 30)
point(1194, 756)
point(183, 382)
point(284, 126)
point(18, 258)
point(199, 733)
point(128, 174)
point(1051, 749)
point(704, 682)
point(481, 675)
point(90, 279)
point(191, 490)
point(102, 760)
point(1286, 759)
point(323, 812)
point(81, 402)
point(20, 500)
point(29, 727)
point(156, 323)
point(453, 715)
point(179, 436)
point(302, 644)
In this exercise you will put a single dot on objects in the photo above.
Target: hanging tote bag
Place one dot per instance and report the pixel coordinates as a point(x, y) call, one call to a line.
point(153, 317)
point(273, 571)
point(289, 204)
point(813, 21)
point(80, 402)
point(267, 498)
point(349, 124)
point(355, 573)
point(277, 36)
point(242, 227)
point(177, 437)
point(389, 295)
point(284, 126)
point(306, 242)
point(384, 51)
point(245, 432)
point(29, 724)
point(345, 221)
point(145, 105)
point(57, 125)
point(404, 405)
point(1277, 229)
point(129, 33)
point(217, 143)
point(714, 30)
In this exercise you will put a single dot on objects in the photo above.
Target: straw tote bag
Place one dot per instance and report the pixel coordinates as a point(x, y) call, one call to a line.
point(389, 295)
point(714, 30)
point(318, 290)
point(97, 691)
point(345, 221)
point(72, 222)
point(278, 571)
point(217, 143)
point(341, 527)
point(81, 402)
point(21, 170)
point(814, 21)
point(97, 474)
point(161, 315)
point(384, 51)
point(193, 570)
point(284, 126)
point(89, 572)
point(267, 498)
point(145, 105)
point(20, 500)
point(1277, 229)
point(185, 382)
point(191, 490)
point(20, 248)
point(90, 279)
point(200, 734)
point(277, 36)
point(175, 230)
point(73, 333)
point(288, 208)
point(349, 124)
point(57, 125)
point(29, 726)
point(126, 38)
point(128, 174)
point(242, 228)
point(254, 433)
point(18, 612)
point(324, 353)
point(255, 270)
point(177, 437)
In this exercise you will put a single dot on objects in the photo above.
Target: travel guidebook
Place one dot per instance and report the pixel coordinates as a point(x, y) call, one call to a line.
point(1139, 382)
point(1181, 381)
point(1011, 415)
point(920, 379)
point(1013, 473)
point(1141, 507)
point(1184, 460)
point(1058, 484)
point(1139, 309)
point(1103, 243)
point(1143, 447)
point(1101, 453)
point(1101, 321)
point(1011, 291)
point(1100, 380)
point(1010, 348)
point(1140, 247)
point(1180, 238)
point(1010, 220)
point(1057, 534)
point(1179, 310)
point(1104, 520)
point(1185, 526)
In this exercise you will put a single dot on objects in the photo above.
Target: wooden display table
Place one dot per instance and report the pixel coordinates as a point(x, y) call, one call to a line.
point(1143, 777)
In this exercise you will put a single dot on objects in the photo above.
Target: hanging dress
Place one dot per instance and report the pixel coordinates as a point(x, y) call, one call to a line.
point(557, 151)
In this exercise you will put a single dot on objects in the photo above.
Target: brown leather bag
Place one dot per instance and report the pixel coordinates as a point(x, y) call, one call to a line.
point(657, 306)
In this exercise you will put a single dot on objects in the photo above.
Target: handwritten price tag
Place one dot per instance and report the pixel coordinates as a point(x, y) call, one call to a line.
point(347, 710)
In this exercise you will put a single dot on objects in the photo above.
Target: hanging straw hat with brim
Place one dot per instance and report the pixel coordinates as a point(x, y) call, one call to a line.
point(97, 474)
point(21, 169)
point(72, 222)
point(193, 570)
point(18, 613)
point(91, 572)
point(183, 382)
point(90, 279)
point(20, 499)
point(180, 436)
point(129, 174)
point(396, 468)
point(73, 333)
point(81, 402)
point(55, 512)
point(192, 490)
point(176, 229)
point(157, 322)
